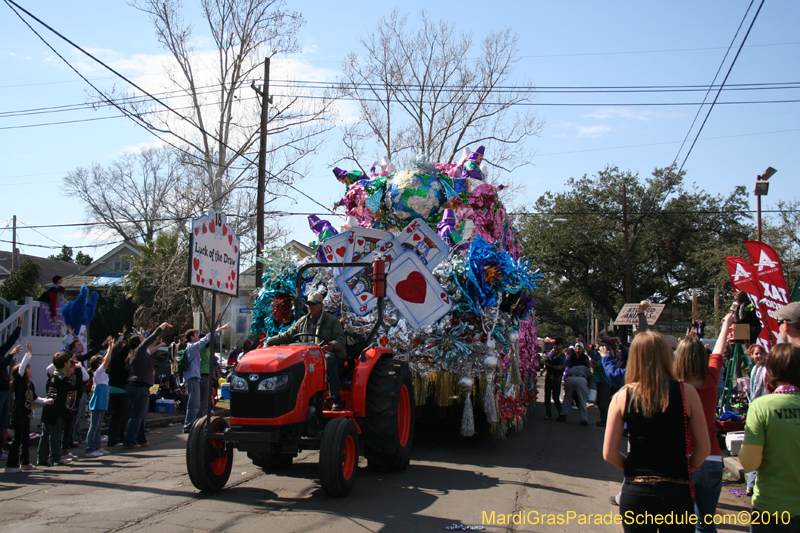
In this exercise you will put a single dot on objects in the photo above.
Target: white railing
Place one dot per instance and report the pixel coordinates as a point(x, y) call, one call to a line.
point(10, 313)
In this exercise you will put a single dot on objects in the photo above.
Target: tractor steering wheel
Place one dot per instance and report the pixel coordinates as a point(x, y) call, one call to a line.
point(298, 336)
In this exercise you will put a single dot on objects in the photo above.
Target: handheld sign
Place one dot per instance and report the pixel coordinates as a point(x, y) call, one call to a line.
point(629, 313)
point(214, 254)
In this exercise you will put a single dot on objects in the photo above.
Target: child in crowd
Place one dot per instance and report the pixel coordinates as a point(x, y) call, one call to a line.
point(63, 389)
point(23, 398)
point(98, 405)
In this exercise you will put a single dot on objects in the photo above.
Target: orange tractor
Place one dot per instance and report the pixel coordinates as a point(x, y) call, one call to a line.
point(279, 408)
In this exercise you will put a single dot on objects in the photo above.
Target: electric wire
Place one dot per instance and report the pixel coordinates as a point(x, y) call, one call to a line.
point(716, 74)
point(711, 107)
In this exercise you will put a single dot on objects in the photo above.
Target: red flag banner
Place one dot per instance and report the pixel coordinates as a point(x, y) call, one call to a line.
point(744, 279)
point(769, 273)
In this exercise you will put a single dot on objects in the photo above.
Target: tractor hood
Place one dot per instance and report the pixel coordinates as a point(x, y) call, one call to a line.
point(276, 358)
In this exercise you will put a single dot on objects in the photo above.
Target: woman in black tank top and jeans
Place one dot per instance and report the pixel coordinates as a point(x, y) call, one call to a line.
point(660, 413)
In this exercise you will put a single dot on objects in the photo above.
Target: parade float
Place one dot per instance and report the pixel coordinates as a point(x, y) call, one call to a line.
point(461, 299)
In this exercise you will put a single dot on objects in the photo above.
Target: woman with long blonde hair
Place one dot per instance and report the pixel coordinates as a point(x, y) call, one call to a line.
point(660, 414)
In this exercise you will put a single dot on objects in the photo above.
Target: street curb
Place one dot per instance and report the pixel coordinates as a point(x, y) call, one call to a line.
point(734, 467)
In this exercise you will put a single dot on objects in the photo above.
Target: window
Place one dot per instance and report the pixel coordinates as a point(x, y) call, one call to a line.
point(116, 266)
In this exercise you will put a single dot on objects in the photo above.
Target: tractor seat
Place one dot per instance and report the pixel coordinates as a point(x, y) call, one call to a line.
point(355, 345)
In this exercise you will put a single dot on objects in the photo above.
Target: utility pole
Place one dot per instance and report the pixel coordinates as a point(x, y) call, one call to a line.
point(262, 169)
point(14, 258)
point(627, 258)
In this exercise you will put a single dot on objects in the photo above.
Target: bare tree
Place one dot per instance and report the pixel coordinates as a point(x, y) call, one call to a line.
point(426, 92)
point(215, 122)
point(135, 196)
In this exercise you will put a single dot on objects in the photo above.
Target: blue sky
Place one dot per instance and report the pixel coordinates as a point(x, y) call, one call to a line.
point(562, 43)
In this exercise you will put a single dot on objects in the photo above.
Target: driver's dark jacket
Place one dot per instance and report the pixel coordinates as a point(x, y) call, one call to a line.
point(329, 329)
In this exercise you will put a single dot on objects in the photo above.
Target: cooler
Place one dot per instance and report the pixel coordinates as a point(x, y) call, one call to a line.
point(165, 406)
point(225, 391)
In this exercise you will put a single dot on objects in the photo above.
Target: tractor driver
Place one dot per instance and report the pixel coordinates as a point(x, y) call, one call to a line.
point(327, 328)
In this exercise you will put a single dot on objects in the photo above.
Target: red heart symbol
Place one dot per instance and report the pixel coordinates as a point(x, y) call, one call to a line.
point(224, 229)
point(360, 242)
point(233, 274)
point(196, 263)
point(196, 231)
point(197, 276)
point(226, 285)
point(340, 251)
point(363, 297)
point(212, 226)
point(230, 238)
point(350, 239)
point(236, 249)
point(409, 230)
point(218, 284)
point(416, 237)
point(413, 289)
point(205, 229)
point(203, 280)
point(200, 271)
point(211, 282)
point(330, 257)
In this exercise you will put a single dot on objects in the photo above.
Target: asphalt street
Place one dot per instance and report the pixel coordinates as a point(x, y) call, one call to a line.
point(549, 468)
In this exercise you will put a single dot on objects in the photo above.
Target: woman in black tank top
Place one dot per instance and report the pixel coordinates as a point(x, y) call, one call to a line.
point(660, 413)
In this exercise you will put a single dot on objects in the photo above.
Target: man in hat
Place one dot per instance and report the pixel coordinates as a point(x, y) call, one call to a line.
point(789, 322)
point(320, 326)
point(472, 166)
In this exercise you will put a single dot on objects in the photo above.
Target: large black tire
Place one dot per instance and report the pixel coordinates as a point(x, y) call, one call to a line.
point(208, 462)
point(387, 430)
point(270, 462)
point(338, 457)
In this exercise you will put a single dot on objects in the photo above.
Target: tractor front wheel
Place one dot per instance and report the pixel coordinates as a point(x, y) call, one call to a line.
point(209, 461)
point(338, 457)
point(387, 430)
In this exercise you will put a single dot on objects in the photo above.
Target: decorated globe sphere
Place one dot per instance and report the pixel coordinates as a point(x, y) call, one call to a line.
point(414, 193)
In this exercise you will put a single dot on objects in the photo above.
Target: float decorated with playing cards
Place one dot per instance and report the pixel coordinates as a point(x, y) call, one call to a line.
point(460, 303)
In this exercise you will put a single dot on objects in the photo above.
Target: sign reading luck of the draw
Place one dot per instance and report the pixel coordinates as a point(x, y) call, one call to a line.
point(214, 254)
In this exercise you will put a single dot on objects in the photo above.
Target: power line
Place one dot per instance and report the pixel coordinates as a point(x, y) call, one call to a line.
point(722, 84)
point(180, 93)
point(50, 247)
point(710, 87)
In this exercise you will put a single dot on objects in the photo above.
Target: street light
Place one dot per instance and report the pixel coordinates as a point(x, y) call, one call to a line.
point(761, 189)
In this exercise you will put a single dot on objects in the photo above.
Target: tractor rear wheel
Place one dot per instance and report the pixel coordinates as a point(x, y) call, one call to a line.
point(338, 457)
point(270, 462)
point(208, 461)
point(387, 430)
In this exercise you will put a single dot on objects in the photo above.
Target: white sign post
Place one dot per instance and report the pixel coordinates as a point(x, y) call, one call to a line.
point(213, 266)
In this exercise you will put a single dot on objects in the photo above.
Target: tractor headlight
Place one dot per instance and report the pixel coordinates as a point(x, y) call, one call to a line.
point(275, 383)
point(239, 383)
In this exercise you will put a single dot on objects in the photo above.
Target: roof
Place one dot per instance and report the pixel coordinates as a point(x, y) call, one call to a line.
point(48, 267)
point(114, 251)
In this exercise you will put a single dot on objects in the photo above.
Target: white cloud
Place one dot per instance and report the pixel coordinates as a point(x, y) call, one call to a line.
point(586, 131)
point(624, 112)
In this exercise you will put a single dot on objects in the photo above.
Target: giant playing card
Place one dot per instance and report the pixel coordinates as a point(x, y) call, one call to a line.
point(422, 240)
point(356, 287)
point(364, 241)
point(334, 250)
point(415, 292)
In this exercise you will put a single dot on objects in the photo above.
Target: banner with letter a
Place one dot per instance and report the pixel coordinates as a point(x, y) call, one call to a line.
point(769, 273)
point(744, 279)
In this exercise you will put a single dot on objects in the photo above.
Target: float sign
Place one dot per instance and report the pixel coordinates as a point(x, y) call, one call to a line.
point(214, 255)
